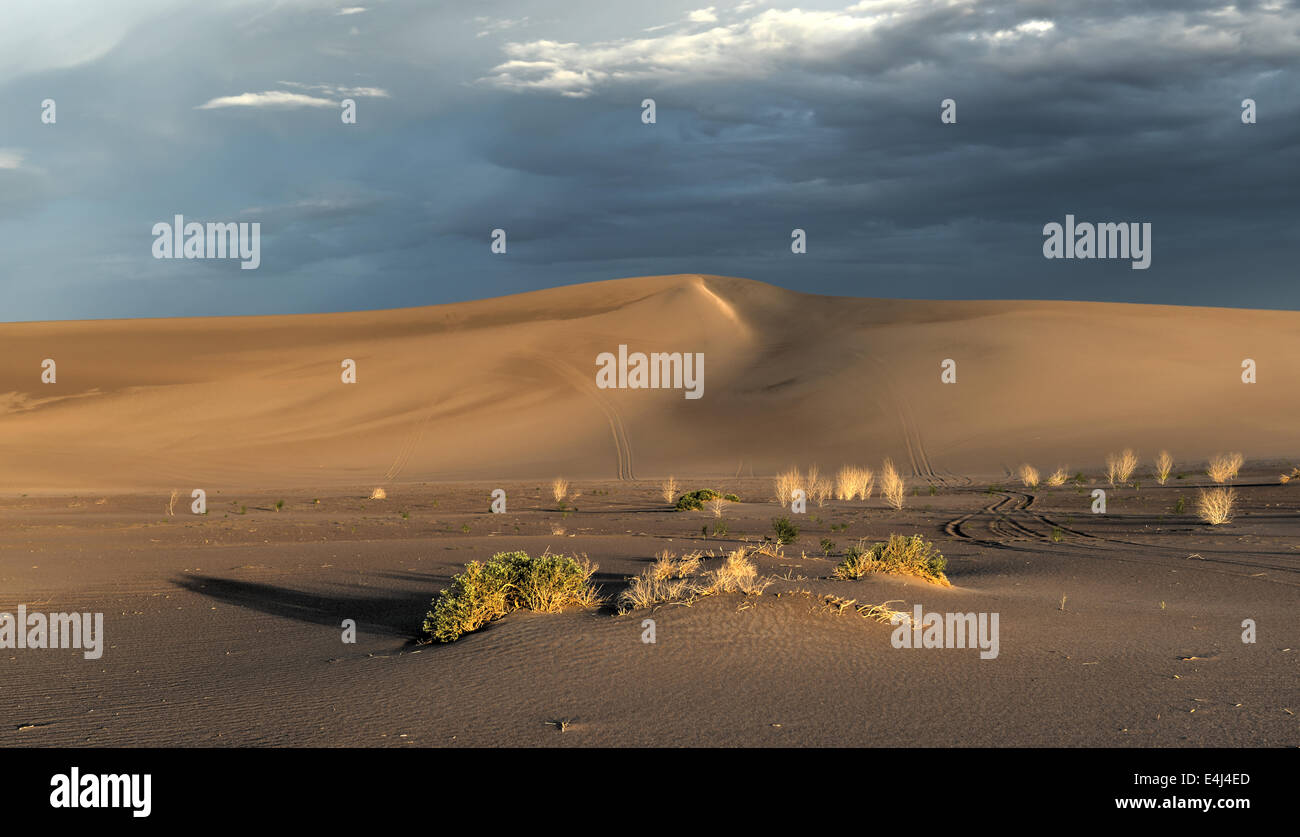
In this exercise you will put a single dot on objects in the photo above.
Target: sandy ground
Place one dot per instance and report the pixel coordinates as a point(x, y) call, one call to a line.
point(224, 629)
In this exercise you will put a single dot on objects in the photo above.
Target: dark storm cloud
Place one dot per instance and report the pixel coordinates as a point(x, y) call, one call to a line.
point(526, 116)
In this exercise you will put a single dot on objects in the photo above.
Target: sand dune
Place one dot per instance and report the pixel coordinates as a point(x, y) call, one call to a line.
point(505, 389)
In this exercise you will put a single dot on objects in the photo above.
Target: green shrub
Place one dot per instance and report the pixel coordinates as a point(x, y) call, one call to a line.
point(695, 500)
point(508, 582)
point(908, 555)
point(786, 532)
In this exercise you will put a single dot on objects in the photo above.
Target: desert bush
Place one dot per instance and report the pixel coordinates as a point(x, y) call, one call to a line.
point(379, 494)
point(695, 500)
point(669, 490)
point(1059, 476)
point(1028, 475)
point(786, 532)
point(1224, 466)
point(892, 487)
point(853, 482)
point(671, 579)
point(737, 574)
point(509, 581)
point(907, 555)
point(786, 483)
point(1120, 466)
point(1164, 466)
point(1286, 478)
point(820, 486)
point(560, 489)
point(718, 505)
point(1214, 505)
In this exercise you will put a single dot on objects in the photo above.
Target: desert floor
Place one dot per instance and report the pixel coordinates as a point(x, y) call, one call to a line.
point(224, 629)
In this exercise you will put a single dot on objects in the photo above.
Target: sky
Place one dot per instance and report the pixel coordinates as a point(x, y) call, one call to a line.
point(527, 117)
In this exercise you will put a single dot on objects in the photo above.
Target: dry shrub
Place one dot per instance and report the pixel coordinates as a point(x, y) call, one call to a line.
point(787, 482)
point(1120, 466)
point(668, 489)
point(877, 613)
point(853, 482)
point(1286, 478)
point(1224, 466)
point(680, 580)
point(718, 505)
point(1028, 475)
point(821, 490)
point(1164, 466)
point(1214, 505)
point(560, 489)
point(379, 494)
point(1059, 476)
point(891, 484)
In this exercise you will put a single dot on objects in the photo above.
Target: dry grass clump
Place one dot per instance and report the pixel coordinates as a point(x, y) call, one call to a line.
point(1120, 466)
point(679, 580)
point(737, 574)
point(877, 613)
point(171, 504)
point(379, 494)
point(820, 488)
point(787, 482)
point(1214, 505)
point(891, 484)
point(1028, 475)
point(1286, 478)
point(1164, 466)
point(560, 489)
point(1224, 466)
point(1059, 476)
point(853, 482)
point(906, 555)
point(510, 581)
point(718, 505)
point(668, 490)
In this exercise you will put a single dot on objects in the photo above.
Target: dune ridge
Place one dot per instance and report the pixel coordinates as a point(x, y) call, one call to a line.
point(504, 388)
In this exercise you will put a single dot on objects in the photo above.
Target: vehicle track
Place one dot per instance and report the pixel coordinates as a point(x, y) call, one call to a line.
point(1011, 520)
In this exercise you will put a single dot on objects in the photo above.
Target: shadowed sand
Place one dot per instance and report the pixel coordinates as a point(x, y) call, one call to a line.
point(505, 389)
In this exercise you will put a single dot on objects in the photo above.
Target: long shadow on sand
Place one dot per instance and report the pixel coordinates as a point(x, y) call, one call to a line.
point(397, 614)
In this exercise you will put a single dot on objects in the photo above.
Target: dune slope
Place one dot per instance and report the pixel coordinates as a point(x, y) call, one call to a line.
point(506, 388)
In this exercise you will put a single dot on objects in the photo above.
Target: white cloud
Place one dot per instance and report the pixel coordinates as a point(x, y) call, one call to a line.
point(703, 16)
point(339, 90)
point(11, 158)
point(268, 99)
point(286, 99)
point(351, 10)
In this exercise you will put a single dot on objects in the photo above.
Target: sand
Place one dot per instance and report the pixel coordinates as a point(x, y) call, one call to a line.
point(224, 629)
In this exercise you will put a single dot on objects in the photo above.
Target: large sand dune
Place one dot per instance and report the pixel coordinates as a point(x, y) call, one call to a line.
point(505, 389)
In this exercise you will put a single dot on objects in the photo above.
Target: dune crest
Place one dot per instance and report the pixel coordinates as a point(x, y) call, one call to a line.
point(505, 388)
